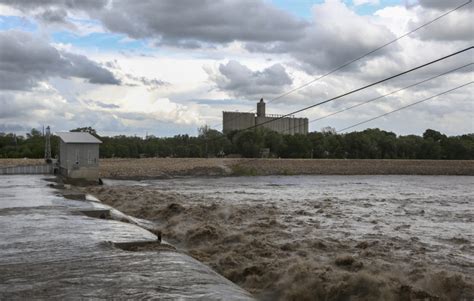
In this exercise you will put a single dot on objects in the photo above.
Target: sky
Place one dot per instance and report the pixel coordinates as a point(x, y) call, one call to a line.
point(165, 68)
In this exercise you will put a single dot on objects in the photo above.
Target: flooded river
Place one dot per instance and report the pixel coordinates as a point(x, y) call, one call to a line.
point(318, 237)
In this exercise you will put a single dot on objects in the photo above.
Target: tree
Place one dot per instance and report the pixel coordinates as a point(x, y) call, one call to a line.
point(274, 141)
point(88, 129)
point(297, 146)
point(435, 135)
point(248, 143)
point(34, 133)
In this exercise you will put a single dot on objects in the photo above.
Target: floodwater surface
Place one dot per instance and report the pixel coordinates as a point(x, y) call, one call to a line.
point(319, 237)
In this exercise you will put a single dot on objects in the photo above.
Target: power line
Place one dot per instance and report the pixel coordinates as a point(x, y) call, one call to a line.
point(364, 55)
point(385, 95)
point(370, 52)
point(363, 87)
point(410, 86)
point(404, 107)
point(393, 92)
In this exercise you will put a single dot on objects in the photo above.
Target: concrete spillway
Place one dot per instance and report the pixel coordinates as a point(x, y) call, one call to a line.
point(48, 249)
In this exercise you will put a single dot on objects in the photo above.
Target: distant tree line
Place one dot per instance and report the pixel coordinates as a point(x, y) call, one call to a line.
point(367, 144)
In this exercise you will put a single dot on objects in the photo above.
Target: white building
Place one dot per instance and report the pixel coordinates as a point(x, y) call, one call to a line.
point(79, 155)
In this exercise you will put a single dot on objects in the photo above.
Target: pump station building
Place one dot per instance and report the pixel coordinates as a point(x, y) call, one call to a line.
point(79, 155)
point(287, 125)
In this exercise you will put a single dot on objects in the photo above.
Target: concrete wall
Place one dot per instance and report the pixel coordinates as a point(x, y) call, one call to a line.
point(27, 169)
point(237, 121)
point(79, 160)
point(88, 173)
point(288, 126)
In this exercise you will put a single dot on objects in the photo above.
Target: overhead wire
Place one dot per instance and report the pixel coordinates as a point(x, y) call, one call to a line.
point(404, 107)
point(383, 96)
point(390, 93)
point(362, 88)
point(372, 51)
point(364, 55)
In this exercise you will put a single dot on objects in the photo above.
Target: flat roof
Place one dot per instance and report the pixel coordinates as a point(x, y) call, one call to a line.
point(77, 137)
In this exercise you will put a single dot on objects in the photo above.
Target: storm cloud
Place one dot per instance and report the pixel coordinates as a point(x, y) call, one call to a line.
point(25, 60)
point(328, 43)
point(457, 26)
point(441, 4)
point(190, 22)
point(183, 23)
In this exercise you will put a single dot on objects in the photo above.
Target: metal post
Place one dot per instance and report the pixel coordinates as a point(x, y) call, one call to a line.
point(47, 146)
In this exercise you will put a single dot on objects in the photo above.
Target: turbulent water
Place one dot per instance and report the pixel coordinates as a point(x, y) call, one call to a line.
point(319, 237)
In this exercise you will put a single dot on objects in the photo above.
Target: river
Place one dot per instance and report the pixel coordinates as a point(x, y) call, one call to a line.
point(405, 233)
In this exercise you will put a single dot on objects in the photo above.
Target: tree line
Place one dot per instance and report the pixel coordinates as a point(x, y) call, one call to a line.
point(367, 144)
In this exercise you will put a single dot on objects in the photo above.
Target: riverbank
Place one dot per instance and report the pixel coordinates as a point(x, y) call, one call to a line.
point(177, 167)
point(164, 168)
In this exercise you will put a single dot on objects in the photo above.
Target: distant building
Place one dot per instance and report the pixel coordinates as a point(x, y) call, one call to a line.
point(286, 125)
point(79, 155)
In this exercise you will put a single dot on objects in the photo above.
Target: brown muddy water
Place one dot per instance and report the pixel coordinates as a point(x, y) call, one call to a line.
point(318, 237)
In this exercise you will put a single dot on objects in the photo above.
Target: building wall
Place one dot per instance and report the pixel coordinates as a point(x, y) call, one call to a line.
point(79, 160)
point(88, 173)
point(288, 126)
point(237, 121)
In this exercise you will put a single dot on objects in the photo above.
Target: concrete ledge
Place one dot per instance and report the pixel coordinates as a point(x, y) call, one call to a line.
point(136, 246)
point(96, 213)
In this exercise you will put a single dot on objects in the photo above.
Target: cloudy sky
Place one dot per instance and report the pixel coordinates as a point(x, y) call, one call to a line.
point(168, 67)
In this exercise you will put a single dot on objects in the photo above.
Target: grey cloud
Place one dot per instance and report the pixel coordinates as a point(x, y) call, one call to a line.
point(440, 4)
point(456, 26)
point(103, 104)
point(53, 16)
point(188, 22)
point(151, 83)
point(14, 109)
point(27, 5)
point(240, 81)
point(112, 65)
point(107, 105)
point(12, 128)
point(80, 66)
point(26, 60)
point(336, 36)
point(183, 23)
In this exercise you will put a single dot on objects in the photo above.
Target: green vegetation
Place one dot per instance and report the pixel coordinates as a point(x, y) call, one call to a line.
point(31, 146)
point(367, 144)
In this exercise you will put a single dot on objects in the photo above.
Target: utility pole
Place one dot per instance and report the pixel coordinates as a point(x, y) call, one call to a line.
point(47, 146)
